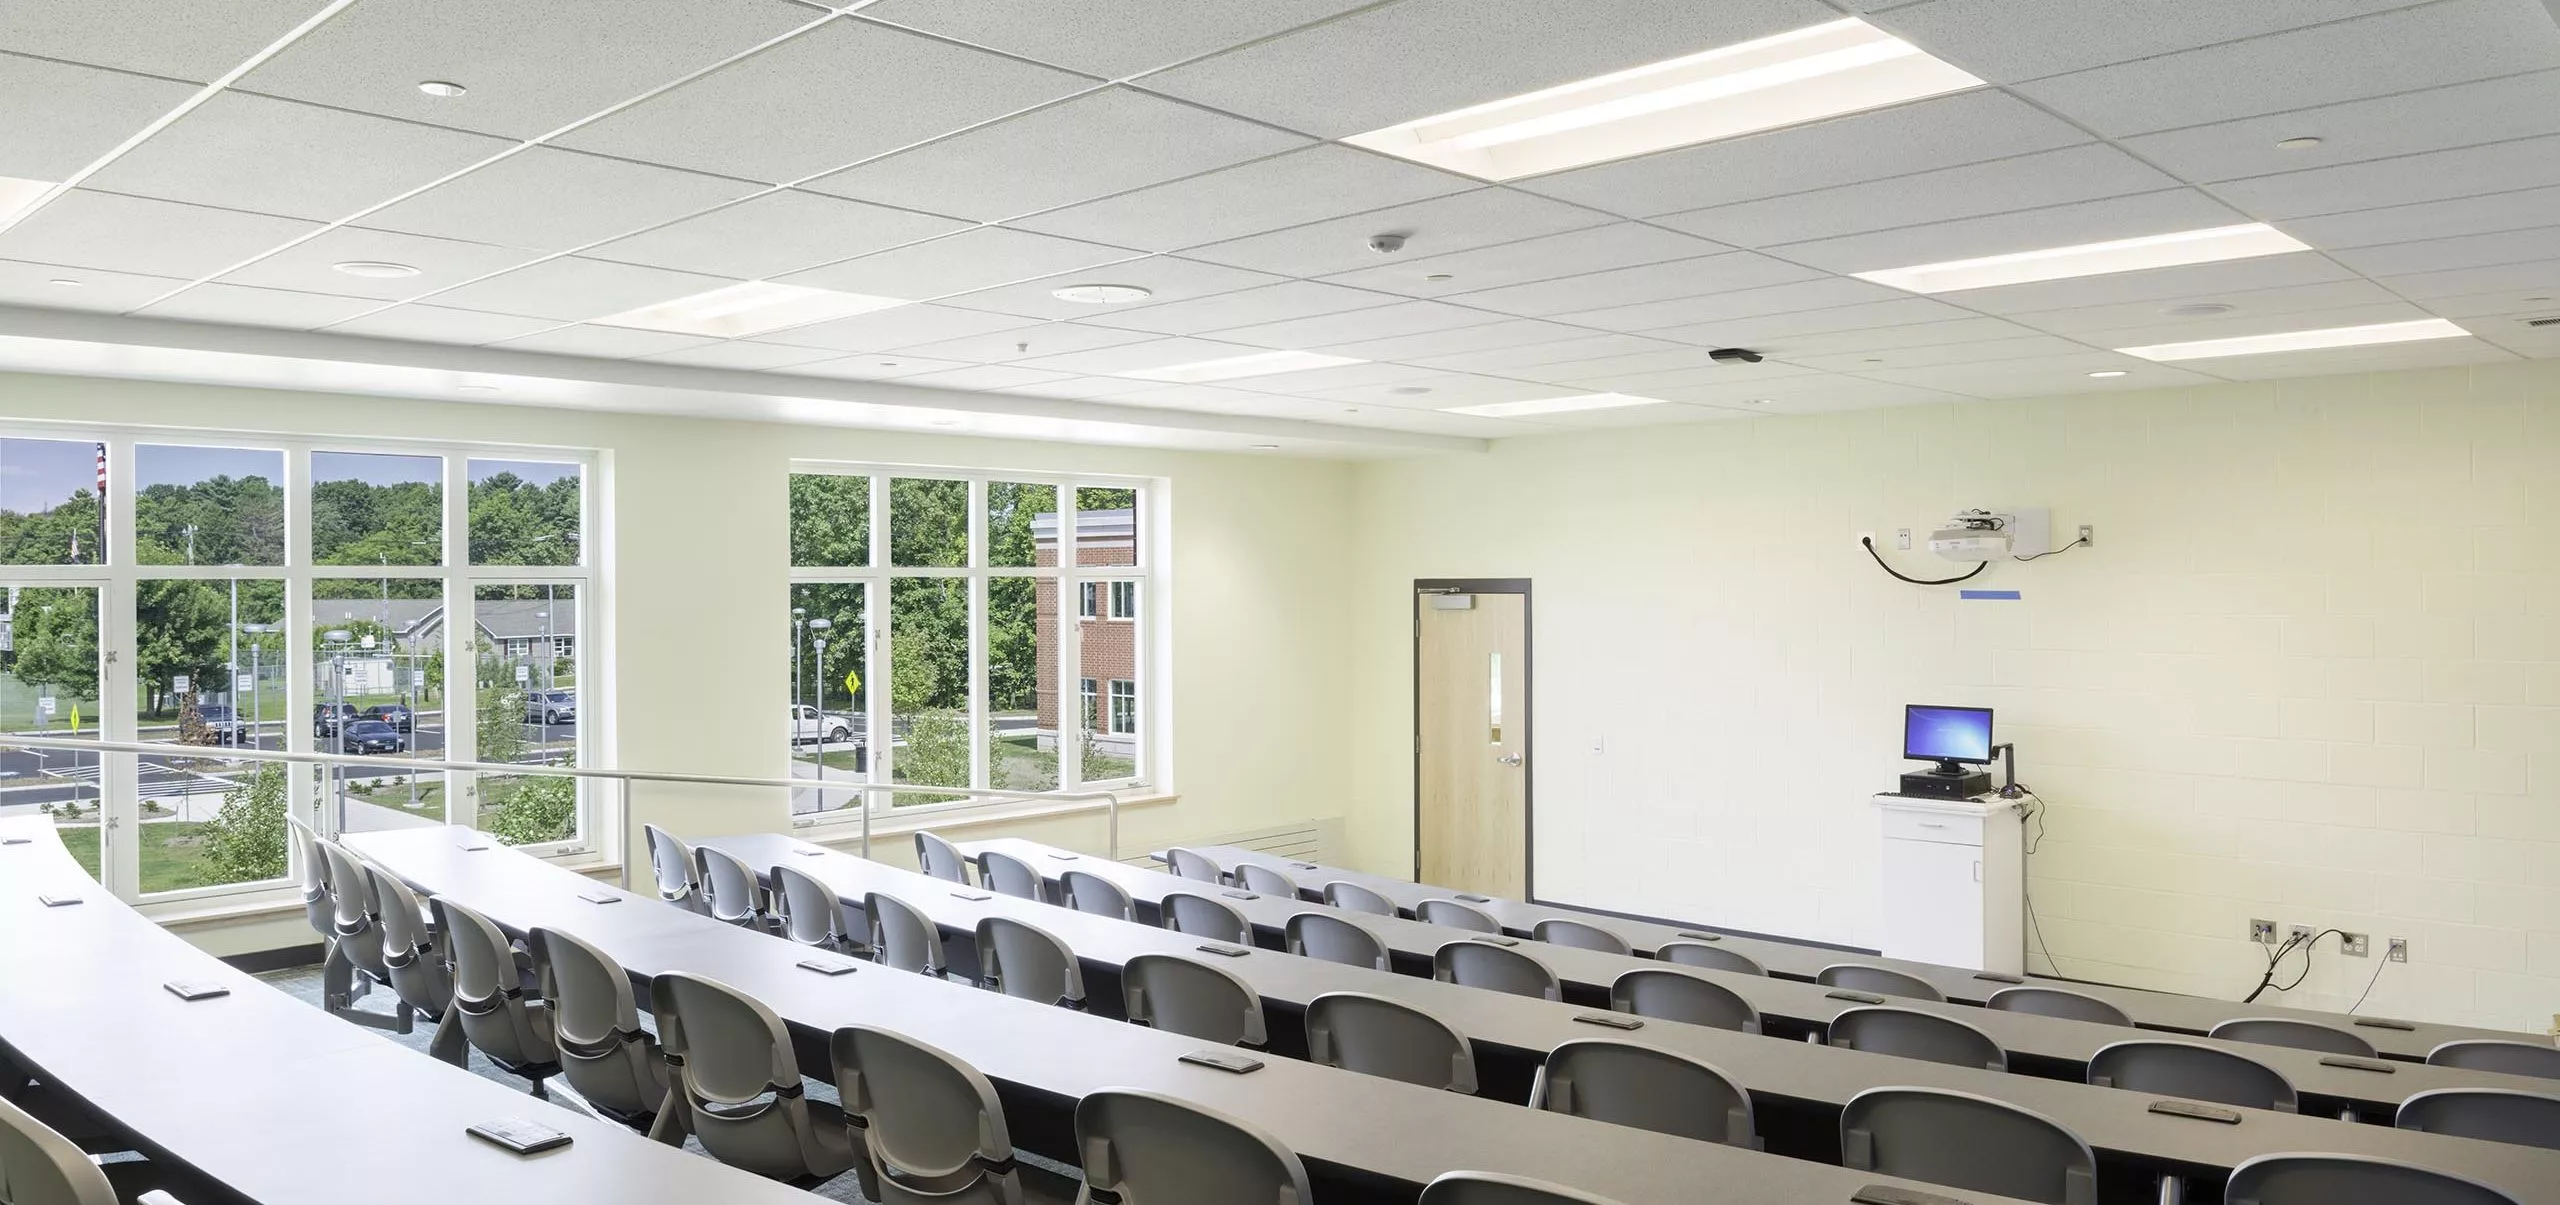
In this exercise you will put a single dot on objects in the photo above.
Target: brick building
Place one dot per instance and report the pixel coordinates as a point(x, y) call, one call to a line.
point(1107, 629)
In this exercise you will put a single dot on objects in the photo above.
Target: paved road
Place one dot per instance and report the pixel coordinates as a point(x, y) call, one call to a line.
point(30, 777)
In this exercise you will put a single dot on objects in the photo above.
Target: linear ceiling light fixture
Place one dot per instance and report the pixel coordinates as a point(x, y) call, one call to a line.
point(1261, 363)
point(1555, 405)
point(2092, 259)
point(751, 308)
point(1791, 78)
point(17, 194)
point(2336, 336)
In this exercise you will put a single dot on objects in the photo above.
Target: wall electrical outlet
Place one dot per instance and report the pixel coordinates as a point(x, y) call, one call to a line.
point(2354, 945)
point(1867, 538)
point(2298, 935)
point(2262, 932)
point(1902, 538)
point(2398, 950)
point(2088, 535)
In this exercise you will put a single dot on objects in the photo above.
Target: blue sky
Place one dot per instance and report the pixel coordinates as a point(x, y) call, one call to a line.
point(38, 474)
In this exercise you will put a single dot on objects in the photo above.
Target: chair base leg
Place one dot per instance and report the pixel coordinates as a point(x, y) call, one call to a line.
point(2173, 1191)
point(341, 986)
point(672, 1125)
point(449, 1044)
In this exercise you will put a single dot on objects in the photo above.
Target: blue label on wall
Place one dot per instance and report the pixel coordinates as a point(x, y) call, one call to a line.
point(1992, 595)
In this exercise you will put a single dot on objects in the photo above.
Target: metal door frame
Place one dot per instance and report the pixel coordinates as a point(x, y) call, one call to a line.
point(1528, 731)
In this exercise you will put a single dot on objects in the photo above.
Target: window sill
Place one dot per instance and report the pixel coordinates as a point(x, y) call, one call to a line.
point(834, 833)
point(180, 916)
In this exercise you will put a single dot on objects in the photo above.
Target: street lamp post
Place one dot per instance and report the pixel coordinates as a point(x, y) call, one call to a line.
point(799, 616)
point(336, 639)
point(819, 628)
point(257, 721)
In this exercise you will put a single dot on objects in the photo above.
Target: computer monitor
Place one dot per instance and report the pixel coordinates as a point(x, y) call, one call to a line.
point(1953, 737)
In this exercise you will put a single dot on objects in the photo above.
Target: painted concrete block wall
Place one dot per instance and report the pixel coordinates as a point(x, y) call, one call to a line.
point(2310, 671)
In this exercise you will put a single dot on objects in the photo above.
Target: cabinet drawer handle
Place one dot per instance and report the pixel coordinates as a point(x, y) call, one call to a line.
point(1931, 824)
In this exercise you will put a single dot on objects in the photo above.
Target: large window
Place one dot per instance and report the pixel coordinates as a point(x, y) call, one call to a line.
point(970, 602)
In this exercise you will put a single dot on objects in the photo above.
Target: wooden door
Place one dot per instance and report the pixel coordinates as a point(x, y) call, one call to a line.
point(1471, 822)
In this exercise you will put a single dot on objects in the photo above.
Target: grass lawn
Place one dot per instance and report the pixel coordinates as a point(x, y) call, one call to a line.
point(395, 797)
point(170, 859)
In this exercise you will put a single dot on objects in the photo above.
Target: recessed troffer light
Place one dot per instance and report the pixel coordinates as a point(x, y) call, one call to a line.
point(2109, 374)
point(2091, 259)
point(1230, 367)
point(1101, 294)
point(2336, 336)
point(1555, 405)
point(441, 87)
point(375, 269)
point(751, 308)
point(17, 194)
point(1805, 75)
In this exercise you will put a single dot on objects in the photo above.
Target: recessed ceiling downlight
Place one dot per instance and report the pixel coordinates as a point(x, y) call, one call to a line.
point(441, 87)
point(2109, 373)
point(1102, 294)
point(374, 269)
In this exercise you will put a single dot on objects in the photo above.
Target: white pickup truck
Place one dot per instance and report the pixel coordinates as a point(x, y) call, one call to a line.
point(809, 724)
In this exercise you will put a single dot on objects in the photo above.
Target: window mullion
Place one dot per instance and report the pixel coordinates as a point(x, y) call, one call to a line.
point(1070, 645)
point(882, 737)
point(981, 725)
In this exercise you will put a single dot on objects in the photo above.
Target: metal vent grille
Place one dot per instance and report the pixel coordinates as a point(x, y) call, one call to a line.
point(2552, 321)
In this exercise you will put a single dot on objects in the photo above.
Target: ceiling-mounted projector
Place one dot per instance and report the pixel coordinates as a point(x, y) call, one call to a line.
point(1988, 535)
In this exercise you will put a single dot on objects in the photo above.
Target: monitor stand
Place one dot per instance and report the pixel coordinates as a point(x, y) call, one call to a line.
point(1949, 769)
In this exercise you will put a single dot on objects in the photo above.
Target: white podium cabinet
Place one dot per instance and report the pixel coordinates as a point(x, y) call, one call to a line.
point(1954, 889)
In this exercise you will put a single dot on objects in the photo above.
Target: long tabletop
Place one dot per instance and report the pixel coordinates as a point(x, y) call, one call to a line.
point(1779, 1074)
point(270, 1097)
point(2396, 1039)
point(1364, 1138)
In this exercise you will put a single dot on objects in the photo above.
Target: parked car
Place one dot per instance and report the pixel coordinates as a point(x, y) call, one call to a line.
point(372, 736)
point(551, 707)
point(397, 715)
point(809, 724)
point(326, 717)
point(220, 724)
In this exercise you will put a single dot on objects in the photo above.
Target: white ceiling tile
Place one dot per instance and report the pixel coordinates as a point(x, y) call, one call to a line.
point(1445, 390)
point(1214, 399)
point(1724, 273)
point(1094, 145)
point(873, 366)
point(1776, 331)
point(85, 229)
point(1048, 339)
point(2528, 303)
point(1889, 338)
point(1675, 358)
point(2259, 305)
point(1969, 127)
point(437, 324)
point(2192, 282)
point(2395, 357)
point(1398, 62)
point(2467, 251)
point(1398, 418)
point(1109, 38)
point(530, 68)
point(2493, 110)
point(1669, 413)
point(1813, 393)
point(2540, 343)
point(1273, 303)
point(1485, 337)
point(576, 290)
point(1526, 358)
point(310, 265)
point(762, 118)
point(249, 152)
point(2059, 177)
point(1081, 388)
point(1140, 357)
point(611, 342)
point(1574, 253)
point(1932, 356)
point(2435, 176)
point(1402, 318)
point(1656, 384)
point(552, 200)
point(195, 41)
point(2429, 220)
point(738, 354)
point(2536, 278)
point(257, 307)
point(32, 284)
point(1822, 292)
point(1315, 381)
point(1454, 223)
point(2042, 377)
point(773, 234)
point(986, 377)
point(1167, 278)
point(903, 326)
point(2444, 43)
point(2005, 41)
point(962, 263)
point(63, 116)
point(2236, 325)
point(1285, 190)
point(2036, 229)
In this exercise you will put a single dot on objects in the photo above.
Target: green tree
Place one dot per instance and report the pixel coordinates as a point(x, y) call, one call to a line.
point(179, 625)
point(56, 634)
point(244, 842)
point(46, 537)
point(515, 522)
point(830, 520)
point(534, 810)
point(936, 753)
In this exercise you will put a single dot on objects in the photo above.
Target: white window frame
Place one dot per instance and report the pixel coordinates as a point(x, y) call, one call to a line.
point(1123, 593)
point(1122, 717)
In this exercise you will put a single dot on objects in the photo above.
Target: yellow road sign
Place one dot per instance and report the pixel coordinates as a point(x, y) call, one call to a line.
point(852, 682)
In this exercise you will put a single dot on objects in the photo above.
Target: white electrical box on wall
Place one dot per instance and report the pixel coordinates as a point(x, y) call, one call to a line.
point(1991, 533)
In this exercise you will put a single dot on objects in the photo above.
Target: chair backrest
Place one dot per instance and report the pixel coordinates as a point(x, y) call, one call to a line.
point(1192, 864)
point(1456, 916)
point(2055, 1002)
point(314, 876)
point(2489, 1054)
point(902, 937)
point(1005, 874)
point(730, 888)
point(671, 860)
point(2488, 1114)
point(1333, 939)
point(2191, 1070)
point(1677, 996)
point(1192, 998)
point(1472, 963)
point(41, 1167)
point(2350, 1180)
point(1020, 960)
point(1374, 1035)
point(2300, 1035)
point(1625, 1084)
point(1146, 1149)
point(1965, 1141)
point(412, 952)
point(1707, 957)
point(1488, 1188)
point(595, 1022)
point(810, 911)
point(1200, 916)
point(351, 907)
point(1090, 892)
point(1256, 877)
point(1912, 1034)
point(1579, 935)
point(940, 858)
point(488, 991)
point(728, 1054)
point(1358, 898)
point(929, 1122)
point(1859, 977)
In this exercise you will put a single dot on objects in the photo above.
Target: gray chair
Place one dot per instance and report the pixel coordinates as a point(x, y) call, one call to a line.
point(1708, 957)
point(1374, 1035)
point(2191, 1070)
point(595, 1025)
point(413, 954)
point(489, 997)
point(809, 912)
point(1090, 892)
point(736, 1084)
point(1330, 938)
point(2055, 1002)
point(1912, 1034)
point(316, 908)
point(2488, 1114)
point(1358, 899)
point(1678, 996)
point(2349, 1180)
point(671, 860)
point(38, 1166)
point(1192, 998)
point(1471, 963)
point(2300, 1035)
point(1200, 916)
point(2488, 1054)
point(930, 1126)
point(1005, 874)
point(904, 938)
point(1256, 877)
point(1580, 936)
point(353, 961)
point(1139, 1148)
point(1626, 1084)
point(730, 892)
point(1965, 1141)
point(1488, 1188)
point(1859, 977)
point(1191, 864)
point(1029, 963)
point(940, 858)
point(1456, 916)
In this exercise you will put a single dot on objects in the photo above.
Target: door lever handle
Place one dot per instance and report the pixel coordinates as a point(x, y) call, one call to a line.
point(1508, 759)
